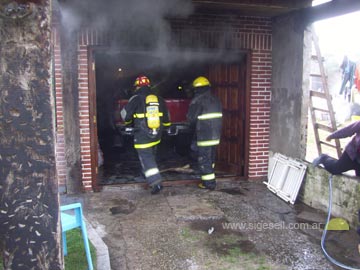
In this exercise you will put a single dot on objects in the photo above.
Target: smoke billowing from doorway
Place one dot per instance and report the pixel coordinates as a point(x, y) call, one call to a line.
point(141, 23)
point(146, 26)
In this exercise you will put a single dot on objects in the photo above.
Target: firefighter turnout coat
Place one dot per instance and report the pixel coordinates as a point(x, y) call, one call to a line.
point(148, 114)
point(205, 116)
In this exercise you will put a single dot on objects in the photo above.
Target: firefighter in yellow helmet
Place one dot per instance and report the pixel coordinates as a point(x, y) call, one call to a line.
point(148, 114)
point(205, 117)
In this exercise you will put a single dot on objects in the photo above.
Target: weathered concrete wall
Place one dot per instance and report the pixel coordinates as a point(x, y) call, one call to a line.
point(345, 196)
point(290, 84)
point(29, 202)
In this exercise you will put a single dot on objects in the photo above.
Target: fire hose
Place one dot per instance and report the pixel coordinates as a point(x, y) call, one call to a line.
point(325, 231)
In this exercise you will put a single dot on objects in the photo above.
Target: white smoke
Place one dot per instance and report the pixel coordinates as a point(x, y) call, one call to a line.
point(143, 21)
point(143, 25)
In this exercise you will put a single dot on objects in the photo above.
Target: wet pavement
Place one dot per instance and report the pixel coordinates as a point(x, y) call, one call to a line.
point(241, 225)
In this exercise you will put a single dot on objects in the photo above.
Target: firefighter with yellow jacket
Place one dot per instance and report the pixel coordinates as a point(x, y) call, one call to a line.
point(148, 114)
point(205, 117)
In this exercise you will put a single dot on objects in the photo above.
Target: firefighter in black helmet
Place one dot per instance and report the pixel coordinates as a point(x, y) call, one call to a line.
point(205, 117)
point(148, 114)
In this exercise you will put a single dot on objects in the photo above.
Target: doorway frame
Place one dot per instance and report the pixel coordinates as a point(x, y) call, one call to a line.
point(93, 49)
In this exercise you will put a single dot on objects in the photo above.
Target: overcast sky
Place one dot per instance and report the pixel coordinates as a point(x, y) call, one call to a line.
point(340, 35)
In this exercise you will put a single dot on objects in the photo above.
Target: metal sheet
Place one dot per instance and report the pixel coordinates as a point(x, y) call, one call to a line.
point(285, 178)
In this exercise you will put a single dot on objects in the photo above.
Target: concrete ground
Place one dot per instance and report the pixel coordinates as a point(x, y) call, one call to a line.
point(241, 225)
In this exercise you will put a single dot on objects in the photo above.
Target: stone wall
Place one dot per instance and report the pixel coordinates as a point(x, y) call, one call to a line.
point(345, 193)
point(314, 191)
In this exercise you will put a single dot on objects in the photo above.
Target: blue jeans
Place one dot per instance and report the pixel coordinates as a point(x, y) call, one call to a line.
point(343, 164)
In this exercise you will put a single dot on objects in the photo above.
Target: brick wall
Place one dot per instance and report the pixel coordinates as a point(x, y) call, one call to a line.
point(59, 146)
point(240, 33)
point(86, 38)
point(84, 115)
point(220, 32)
point(260, 113)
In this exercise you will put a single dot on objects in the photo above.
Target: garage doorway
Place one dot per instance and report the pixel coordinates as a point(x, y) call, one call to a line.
point(112, 75)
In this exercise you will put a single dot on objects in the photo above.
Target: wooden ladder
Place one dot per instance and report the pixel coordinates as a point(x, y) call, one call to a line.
point(322, 94)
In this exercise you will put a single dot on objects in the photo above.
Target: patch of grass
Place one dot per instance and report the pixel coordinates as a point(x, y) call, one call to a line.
point(76, 258)
point(248, 260)
point(264, 267)
point(228, 239)
point(190, 235)
point(232, 250)
point(234, 254)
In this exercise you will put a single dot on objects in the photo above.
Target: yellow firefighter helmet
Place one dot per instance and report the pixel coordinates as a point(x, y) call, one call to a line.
point(200, 82)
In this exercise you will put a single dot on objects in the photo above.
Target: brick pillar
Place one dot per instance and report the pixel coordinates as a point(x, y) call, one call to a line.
point(260, 113)
point(60, 144)
point(255, 34)
point(87, 37)
point(83, 84)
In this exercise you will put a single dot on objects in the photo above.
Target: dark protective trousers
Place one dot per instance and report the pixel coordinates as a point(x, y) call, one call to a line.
point(343, 164)
point(149, 165)
point(347, 77)
point(206, 161)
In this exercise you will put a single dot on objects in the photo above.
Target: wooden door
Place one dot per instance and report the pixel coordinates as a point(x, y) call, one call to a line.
point(229, 83)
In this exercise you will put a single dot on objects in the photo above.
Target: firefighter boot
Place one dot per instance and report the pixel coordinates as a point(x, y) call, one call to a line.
point(211, 185)
point(156, 189)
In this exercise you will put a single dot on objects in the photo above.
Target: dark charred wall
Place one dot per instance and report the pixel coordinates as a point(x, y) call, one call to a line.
point(290, 97)
point(29, 203)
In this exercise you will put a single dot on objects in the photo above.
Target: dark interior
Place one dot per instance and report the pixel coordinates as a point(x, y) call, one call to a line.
point(171, 77)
